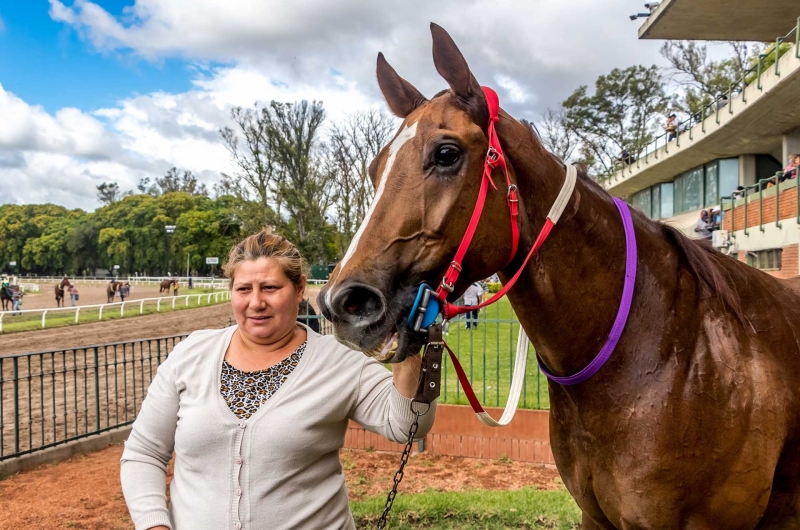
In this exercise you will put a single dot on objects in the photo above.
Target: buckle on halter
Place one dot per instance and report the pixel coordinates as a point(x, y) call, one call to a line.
point(449, 287)
point(455, 265)
point(492, 155)
point(512, 189)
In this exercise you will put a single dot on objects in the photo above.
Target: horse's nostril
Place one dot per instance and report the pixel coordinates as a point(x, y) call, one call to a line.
point(358, 304)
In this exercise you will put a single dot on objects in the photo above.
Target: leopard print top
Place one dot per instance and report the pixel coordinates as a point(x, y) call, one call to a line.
point(245, 392)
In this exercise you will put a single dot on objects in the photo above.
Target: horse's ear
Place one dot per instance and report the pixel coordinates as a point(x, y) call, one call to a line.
point(401, 95)
point(452, 66)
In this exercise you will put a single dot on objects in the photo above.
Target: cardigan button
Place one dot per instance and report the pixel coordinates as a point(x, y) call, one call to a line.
point(238, 492)
point(239, 460)
point(237, 526)
point(242, 424)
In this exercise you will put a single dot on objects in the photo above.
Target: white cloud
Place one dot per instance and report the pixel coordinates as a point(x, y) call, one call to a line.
point(536, 52)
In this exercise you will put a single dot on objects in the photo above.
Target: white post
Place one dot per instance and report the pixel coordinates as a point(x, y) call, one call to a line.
point(43, 315)
point(187, 300)
point(122, 309)
point(198, 300)
point(1, 321)
point(141, 307)
point(100, 316)
point(173, 301)
point(158, 306)
point(209, 300)
point(77, 313)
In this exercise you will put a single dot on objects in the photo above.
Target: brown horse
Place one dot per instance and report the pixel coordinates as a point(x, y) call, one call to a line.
point(111, 290)
point(165, 286)
point(59, 291)
point(694, 422)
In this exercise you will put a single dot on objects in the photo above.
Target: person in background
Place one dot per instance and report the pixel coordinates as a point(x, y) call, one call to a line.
point(16, 300)
point(175, 288)
point(704, 225)
point(189, 281)
point(125, 291)
point(473, 296)
point(715, 218)
point(307, 315)
point(671, 127)
point(790, 171)
point(73, 294)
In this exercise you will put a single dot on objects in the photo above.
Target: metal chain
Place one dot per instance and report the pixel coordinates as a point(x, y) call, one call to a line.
point(398, 476)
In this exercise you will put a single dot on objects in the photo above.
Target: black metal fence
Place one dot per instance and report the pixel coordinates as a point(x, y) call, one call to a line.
point(53, 397)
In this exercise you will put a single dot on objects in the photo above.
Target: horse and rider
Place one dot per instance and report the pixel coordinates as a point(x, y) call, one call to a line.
point(689, 419)
point(59, 291)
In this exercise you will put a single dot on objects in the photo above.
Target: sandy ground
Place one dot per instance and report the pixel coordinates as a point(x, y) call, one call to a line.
point(84, 492)
point(89, 294)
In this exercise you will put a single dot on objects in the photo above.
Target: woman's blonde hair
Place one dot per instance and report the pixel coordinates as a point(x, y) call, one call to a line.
point(265, 244)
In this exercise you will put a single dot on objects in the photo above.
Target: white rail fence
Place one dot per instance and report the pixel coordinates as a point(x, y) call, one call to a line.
point(215, 283)
point(166, 301)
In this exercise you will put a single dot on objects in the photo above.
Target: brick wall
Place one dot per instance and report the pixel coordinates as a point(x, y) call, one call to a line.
point(789, 262)
point(788, 210)
point(458, 432)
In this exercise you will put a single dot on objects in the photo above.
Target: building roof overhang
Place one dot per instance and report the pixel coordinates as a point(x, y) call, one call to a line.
point(742, 20)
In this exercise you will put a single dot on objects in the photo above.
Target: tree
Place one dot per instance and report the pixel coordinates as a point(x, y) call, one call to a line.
point(621, 114)
point(108, 193)
point(305, 187)
point(173, 181)
point(699, 79)
point(556, 136)
point(258, 172)
point(351, 147)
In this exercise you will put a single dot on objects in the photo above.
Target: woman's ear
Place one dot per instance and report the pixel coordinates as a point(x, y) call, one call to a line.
point(301, 289)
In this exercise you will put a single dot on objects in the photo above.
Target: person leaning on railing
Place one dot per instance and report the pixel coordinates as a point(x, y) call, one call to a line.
point(256, 413)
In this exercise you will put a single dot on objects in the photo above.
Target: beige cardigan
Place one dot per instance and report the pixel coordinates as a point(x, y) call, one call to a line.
point(280, 468)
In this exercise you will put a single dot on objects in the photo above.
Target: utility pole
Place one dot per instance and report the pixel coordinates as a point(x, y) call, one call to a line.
point(187, 265)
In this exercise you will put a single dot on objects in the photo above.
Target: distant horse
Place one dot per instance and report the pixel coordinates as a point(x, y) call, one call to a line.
point(59, 290)
point(165, 286)
point(111, 290)
point(5, 296)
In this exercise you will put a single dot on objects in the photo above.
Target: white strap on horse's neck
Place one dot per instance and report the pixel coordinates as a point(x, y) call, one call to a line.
point(517, 381)
point(521, 362)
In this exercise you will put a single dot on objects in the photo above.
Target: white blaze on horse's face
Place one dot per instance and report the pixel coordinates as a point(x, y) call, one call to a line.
point(405, 135)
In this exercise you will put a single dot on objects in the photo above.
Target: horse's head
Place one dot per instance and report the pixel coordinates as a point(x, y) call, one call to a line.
point(427, 181)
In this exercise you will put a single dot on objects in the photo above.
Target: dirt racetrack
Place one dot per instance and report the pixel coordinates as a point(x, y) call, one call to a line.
point(159, 325)
point(89, 294)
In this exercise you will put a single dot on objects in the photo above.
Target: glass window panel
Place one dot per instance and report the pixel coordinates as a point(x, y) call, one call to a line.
point(712, 185)
point(656, 200)
point(728, 176)
point(678, 197)
point(642, 201)
point(693, 190)
point(667, 198)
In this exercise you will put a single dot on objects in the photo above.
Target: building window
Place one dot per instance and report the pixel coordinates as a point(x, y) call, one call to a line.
point(642, 200)
point(689, 191)
point(667, 200)
point(728, 170)
point(656, 202)
point(769, 259)
point(712, 185)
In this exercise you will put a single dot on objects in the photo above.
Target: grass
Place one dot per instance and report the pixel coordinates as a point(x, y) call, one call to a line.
point(472, 510)
point(33, 321)
point(487, 355)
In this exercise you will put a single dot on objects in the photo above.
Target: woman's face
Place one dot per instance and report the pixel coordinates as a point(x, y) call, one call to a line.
point(264, 300)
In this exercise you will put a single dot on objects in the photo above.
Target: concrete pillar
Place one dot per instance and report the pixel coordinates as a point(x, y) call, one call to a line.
point(747, 170)
point(791, 145)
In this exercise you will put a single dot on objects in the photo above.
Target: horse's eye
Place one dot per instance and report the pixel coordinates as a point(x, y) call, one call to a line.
point(447, 155)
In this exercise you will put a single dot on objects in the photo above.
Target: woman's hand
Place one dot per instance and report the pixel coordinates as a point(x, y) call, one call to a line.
point(406, 375)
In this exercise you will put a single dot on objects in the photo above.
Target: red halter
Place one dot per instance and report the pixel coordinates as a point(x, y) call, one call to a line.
point(494, 159)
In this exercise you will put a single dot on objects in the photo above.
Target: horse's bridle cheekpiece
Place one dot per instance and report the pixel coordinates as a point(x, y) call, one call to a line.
point(429, 302)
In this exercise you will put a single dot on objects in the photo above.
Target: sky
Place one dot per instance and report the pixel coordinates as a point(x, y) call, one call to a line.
point(118, 90)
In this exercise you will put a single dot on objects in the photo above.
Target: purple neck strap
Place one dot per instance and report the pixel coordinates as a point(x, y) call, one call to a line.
point(624, 307)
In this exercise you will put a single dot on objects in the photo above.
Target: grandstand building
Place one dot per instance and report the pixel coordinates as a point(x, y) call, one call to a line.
point(730, 155)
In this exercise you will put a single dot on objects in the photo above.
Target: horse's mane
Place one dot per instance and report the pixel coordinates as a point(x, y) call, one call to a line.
point(703, 261)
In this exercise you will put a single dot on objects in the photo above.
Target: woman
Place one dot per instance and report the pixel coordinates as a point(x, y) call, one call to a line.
point(256, 413)
point(73, 293)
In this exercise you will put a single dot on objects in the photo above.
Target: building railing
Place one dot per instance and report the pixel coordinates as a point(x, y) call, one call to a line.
point(764, 188)
point(782, 46)
point(53, 397)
